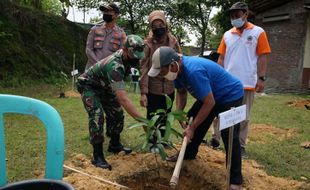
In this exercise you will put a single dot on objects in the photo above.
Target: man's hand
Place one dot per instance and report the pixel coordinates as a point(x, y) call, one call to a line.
point(143, 100)
point(260, 85)
point(189, 133)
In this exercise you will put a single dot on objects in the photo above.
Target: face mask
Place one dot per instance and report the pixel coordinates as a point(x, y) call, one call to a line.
point(133, 62)
point(171, 75)
point(159, 32)
point(238, 23)
point(107, 18)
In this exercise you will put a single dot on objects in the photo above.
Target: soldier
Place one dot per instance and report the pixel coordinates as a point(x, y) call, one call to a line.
point(105, 39)
point(103, 91)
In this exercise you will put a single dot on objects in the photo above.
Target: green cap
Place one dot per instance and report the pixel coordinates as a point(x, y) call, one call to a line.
point(135, 46)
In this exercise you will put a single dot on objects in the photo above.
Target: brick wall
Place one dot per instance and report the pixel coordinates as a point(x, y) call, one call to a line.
point(287, 41)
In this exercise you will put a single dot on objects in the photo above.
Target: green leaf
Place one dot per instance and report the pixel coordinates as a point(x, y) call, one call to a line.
point(158, 135)
point(153, 120)
point(176, 133)
point(168, 102)
point(158, 111)
point(141, 119)
point(169, 123)
point(162, 152)
point(144, 145)
point(135, 125)
point(179, 115)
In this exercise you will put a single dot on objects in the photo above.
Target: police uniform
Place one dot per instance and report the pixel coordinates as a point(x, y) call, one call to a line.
point(102, 42)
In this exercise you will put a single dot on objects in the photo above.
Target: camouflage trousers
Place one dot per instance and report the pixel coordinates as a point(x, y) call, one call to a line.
point(97, 102)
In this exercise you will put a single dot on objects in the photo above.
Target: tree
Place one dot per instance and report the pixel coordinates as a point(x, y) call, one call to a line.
point(221, 21)
point(134, 12)
point(65, 4)
point(196, 14)
point(86, 5)
point(52, 6)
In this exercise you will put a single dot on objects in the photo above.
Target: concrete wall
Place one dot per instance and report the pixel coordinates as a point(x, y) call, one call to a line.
point(287, 40)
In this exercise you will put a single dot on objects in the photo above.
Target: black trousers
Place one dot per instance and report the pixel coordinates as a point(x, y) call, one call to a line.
point(156, 102)
point(201, 130)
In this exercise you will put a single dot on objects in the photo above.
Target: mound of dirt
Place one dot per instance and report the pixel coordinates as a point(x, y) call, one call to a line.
point(299, 103)
point(72, 94)
point(147, 171)
point(260, 133)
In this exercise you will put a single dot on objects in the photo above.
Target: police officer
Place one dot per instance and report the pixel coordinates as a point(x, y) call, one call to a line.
point(103, 90)
point(105, 39)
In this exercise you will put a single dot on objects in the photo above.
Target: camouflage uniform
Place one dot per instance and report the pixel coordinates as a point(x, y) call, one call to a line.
point(97, 86)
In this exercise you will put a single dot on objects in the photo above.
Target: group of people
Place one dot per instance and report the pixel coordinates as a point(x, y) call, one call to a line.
point(217, 87)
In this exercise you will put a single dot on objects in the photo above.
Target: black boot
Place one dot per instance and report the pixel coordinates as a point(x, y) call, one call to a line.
point(98, 158)
point(115, 145)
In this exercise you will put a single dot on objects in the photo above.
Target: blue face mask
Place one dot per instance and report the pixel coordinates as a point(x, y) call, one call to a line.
point(238, 23)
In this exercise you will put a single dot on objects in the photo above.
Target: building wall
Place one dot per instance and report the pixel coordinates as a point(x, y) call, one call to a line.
point(287, 40)
point(306, 69)
point(307, 48)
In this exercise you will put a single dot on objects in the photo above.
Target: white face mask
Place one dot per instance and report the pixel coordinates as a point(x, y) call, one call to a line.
point(238, 23)
point(172, 75)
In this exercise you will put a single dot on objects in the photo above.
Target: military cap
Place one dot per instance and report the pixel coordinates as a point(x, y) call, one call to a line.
point(135, 44)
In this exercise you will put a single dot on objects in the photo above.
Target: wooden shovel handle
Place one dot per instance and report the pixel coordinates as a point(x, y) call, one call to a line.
point(176, 173)
point(175, 177)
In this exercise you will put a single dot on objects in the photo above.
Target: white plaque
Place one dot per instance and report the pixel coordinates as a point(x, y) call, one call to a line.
point(232, 117)
point(74, 72)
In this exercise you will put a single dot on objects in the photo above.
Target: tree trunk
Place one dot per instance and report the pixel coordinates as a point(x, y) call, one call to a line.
point(203, 42)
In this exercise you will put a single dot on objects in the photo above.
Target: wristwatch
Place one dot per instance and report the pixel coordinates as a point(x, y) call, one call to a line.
point(262, 78)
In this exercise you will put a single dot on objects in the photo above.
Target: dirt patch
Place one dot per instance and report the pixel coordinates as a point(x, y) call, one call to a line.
point(299, 103)
point(147, 172)
point(72, 94)
point(262, 133)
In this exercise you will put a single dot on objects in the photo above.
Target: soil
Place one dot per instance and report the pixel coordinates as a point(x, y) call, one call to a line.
point(146, 171)
point(299, 103)
point(260, 133)
point(72, 94)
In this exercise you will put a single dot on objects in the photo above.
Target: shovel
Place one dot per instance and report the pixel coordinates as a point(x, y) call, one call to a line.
point(175, 176)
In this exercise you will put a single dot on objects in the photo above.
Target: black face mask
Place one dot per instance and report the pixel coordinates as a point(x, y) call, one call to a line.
point(159, 32)
point(107, 18)
point(133, 62)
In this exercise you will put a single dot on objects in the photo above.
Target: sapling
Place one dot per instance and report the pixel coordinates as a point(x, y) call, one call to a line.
point(154, 140)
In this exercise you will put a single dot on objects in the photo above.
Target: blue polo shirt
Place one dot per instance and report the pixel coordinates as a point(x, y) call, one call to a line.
point(201, 76)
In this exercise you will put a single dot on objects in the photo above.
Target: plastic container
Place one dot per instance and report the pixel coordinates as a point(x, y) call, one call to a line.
point(38, 184)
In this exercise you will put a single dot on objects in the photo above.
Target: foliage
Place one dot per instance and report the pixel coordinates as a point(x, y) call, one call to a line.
point(52, 6)
point(36, 44)
point(221, 21)
point(59, 79)
point(134, 13)
point(196, 14)
point(4, 34)
point(154, 140)
point(86, 5)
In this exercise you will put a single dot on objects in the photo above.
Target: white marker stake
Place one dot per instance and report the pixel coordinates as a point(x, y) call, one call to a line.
point(73, 72)
point(229, 119)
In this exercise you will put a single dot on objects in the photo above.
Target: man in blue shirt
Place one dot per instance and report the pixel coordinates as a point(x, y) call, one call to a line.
point(215, 91)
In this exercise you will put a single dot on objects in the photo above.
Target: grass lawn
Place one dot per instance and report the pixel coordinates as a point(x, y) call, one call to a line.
point(25, 137)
